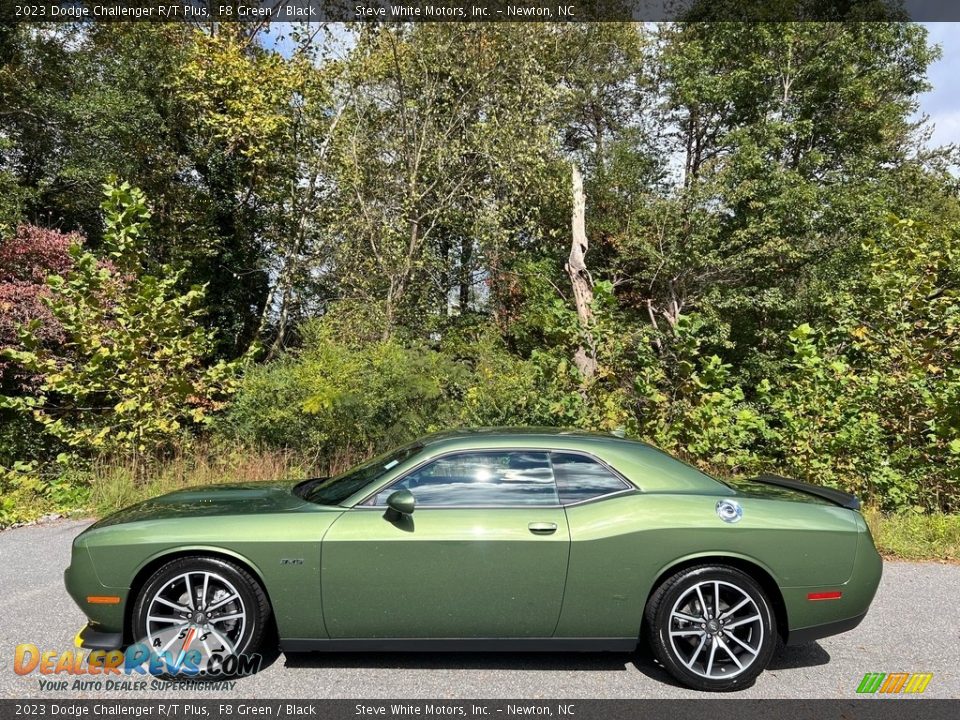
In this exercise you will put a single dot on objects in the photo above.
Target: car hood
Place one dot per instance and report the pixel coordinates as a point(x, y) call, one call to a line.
point(253, 498)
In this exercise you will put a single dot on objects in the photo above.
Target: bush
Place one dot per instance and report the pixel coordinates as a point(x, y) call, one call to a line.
point(341, 401)
point(115, 484)
point(26, 259)
point(131, 369)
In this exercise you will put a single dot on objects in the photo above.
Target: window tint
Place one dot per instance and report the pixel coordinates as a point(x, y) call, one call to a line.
point(580, 478)
point(481, 478)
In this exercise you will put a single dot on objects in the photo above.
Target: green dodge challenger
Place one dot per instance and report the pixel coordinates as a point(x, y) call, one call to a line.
point(485, 540)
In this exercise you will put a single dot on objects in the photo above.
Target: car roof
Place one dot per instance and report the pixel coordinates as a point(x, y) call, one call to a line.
point(646, 466)
point(547, 435)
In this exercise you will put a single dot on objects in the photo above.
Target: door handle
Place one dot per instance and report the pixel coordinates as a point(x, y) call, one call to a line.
point(542, 528)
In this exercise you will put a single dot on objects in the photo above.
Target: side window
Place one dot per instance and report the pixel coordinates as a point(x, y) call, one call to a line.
point(496, 478)
point(581, 478)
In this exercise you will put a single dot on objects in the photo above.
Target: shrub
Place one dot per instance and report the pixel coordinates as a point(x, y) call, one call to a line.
point(342, 401)
point(130, 372)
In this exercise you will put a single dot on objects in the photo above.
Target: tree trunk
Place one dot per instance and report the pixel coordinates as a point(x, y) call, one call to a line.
point(466, 265)
point(388, 313)
point(585, 357)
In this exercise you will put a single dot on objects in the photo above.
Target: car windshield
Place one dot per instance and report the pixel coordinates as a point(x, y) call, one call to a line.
point(335, 490)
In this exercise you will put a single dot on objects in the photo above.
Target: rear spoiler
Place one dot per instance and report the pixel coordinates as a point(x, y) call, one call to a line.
point(835, 496)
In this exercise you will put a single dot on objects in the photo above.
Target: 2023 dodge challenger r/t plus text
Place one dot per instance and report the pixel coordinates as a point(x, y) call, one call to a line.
point(486, 540)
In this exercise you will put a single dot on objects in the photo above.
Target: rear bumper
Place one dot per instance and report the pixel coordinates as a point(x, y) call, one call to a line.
point(814, 618)
point(801, 636)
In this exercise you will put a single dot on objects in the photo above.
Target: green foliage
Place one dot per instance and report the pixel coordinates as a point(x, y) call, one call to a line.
point(129, 376)
point(29, 489)
point(868, 401)
point(21, 494)
point(708, 418)
point(339, 400)
point(126, 218)
point(826, 425)
point(388, 217)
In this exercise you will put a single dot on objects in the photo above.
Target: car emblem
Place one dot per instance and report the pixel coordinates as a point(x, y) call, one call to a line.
point(729, 511)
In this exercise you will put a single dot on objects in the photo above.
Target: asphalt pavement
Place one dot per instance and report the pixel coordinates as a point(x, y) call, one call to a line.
point(913, 626)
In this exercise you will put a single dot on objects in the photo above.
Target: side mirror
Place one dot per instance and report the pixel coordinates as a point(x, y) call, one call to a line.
point(402, 502)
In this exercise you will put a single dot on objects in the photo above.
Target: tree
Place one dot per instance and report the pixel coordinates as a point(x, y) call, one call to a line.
point(271, 118)
point(26, 260)
point(130, 373)
point(580, 280)
point(428, 160)
point(792, 140)
point(869, 399)
point(86, 102)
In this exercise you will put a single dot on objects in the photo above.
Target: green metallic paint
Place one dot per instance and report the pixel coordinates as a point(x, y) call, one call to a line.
point(621, 546)
point(354, 572)
point(259, 536)
point(217, 500)
point(402, 501)
point(444, 572)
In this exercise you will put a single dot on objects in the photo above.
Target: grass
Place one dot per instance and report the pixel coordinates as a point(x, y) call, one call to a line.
point(916, 536)
point(114, 486)
point(106, 487)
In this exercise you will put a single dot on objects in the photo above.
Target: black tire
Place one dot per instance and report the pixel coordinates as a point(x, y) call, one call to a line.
point(251, 601)
point(686, 654)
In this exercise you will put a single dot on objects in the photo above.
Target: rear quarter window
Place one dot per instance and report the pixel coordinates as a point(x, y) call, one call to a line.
point(581, 478)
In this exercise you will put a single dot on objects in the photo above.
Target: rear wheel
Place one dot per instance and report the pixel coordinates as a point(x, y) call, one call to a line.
point(712, 627)
point(203, 615)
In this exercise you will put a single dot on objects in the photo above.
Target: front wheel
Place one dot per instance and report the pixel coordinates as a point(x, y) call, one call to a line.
point(201, 617)
point(712, 627)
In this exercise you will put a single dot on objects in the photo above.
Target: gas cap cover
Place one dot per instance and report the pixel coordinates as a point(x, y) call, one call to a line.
point(729, 511)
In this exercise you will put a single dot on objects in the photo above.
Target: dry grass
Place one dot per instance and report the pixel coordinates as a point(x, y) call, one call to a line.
point(114, 485)
point(117, 485)
point(915, 536)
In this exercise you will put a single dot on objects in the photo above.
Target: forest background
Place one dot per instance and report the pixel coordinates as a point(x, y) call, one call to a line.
point(230, 253)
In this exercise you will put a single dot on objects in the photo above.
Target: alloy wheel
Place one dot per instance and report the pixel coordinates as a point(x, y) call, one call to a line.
point(196, 611)
point(716, 629)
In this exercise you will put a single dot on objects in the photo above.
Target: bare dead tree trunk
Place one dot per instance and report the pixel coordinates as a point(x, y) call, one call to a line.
point(585, 358)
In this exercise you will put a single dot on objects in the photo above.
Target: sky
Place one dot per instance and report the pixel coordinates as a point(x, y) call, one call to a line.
point(942, 103)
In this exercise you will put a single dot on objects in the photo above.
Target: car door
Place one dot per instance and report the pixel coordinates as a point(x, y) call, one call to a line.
point(483, 555)
point(605, 594)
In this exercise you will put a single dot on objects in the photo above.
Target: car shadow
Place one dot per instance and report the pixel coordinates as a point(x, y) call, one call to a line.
point(799, 656)
point(786, 658)
point(646, 664)
point(605, 662)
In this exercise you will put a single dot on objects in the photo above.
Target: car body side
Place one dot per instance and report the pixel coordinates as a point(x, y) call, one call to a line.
point(619, 548)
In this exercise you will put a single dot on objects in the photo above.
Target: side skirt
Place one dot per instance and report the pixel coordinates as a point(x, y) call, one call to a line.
point(459, 645)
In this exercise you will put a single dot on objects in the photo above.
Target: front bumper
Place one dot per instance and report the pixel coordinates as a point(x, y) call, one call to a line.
point(83, 585)
point(93, 638)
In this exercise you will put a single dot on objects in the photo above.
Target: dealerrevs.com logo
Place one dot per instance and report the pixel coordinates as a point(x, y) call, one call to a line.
point(139, 659)
point(894, 683)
